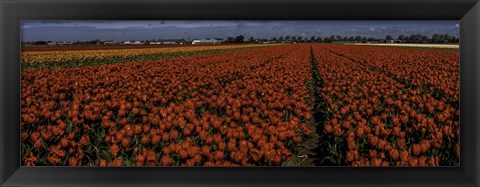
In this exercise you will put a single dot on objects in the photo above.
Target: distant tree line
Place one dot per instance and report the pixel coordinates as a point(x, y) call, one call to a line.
point(237, 39)
point(412, 38)
point(41, 42)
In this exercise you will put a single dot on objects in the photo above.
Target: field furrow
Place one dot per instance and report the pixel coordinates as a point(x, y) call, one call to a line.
point(376, 120)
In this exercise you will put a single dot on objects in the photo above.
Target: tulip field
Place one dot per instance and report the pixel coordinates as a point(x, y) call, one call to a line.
point(240, 105)
point(71, 56)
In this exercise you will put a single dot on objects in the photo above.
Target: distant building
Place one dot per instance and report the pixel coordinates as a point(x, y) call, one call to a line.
point(170, 42)
point(133, 43)
point(60, 43)
point(109, 42)
point(208, 41)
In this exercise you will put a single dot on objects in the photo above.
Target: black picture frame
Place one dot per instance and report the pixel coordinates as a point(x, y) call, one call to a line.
point(13, 11)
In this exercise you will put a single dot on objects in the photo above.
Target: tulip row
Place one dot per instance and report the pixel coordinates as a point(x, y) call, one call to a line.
point(234, 108)
point(61, 56)
point(432, 69)
point(375, 120)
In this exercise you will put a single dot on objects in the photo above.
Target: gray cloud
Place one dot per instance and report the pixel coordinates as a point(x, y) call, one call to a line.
point(140, 30)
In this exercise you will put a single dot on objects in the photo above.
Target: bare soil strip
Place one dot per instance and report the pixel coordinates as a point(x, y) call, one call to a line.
point(315, 150)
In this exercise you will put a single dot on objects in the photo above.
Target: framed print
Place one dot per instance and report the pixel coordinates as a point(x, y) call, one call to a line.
point(246, 93)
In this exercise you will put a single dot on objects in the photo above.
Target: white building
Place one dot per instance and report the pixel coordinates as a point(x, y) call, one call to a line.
point(133, 43)
point(168, 42)
point(208, 41)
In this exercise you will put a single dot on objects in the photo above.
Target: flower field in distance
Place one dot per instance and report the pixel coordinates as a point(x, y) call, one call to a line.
point(36, 55)
point(337, 105)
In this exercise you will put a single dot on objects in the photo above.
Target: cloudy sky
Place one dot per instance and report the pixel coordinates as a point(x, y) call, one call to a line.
point(146, 30)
